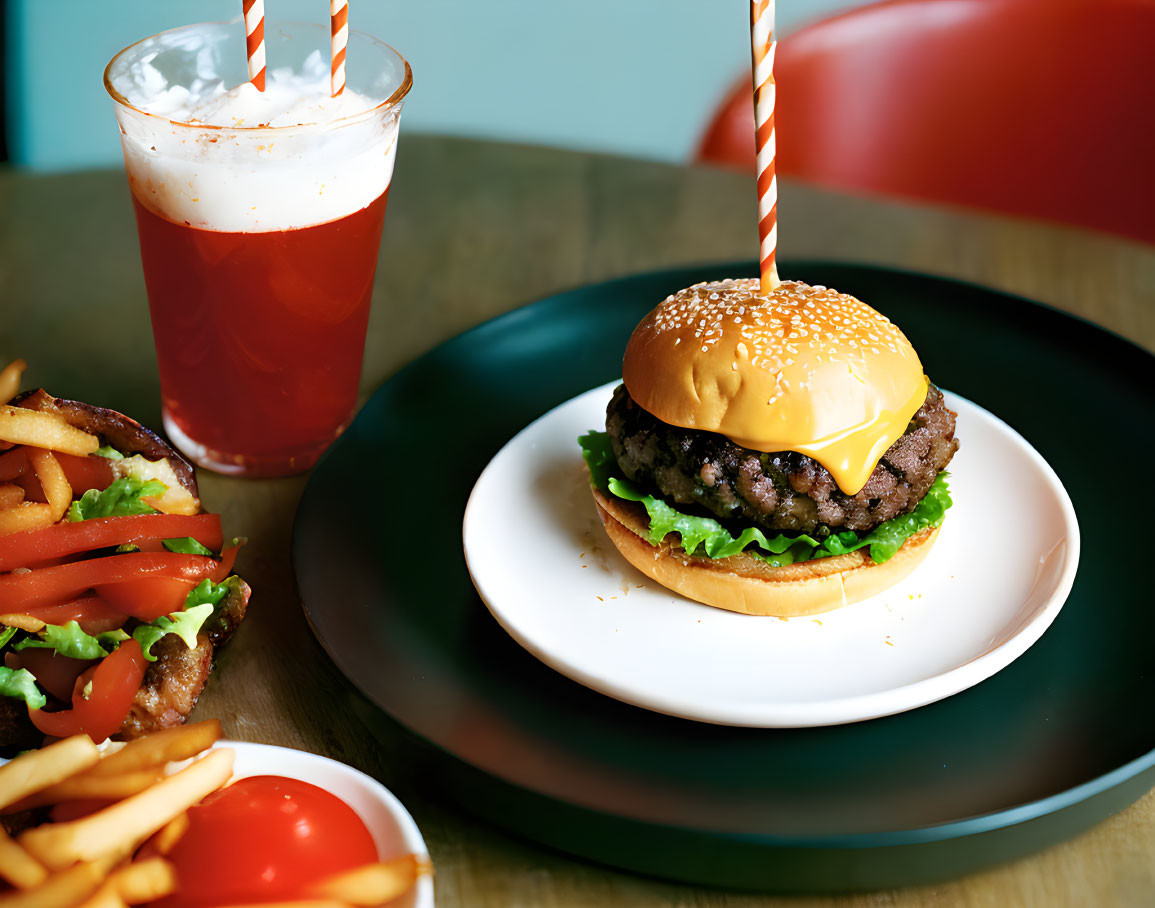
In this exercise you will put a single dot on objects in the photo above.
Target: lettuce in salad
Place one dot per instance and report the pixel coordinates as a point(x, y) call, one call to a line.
point(123, 498)
point(21, 684)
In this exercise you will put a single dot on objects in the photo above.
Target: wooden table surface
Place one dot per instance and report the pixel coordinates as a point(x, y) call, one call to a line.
point(474, 229)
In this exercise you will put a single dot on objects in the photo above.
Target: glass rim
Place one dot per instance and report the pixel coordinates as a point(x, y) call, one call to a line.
point(394, 99)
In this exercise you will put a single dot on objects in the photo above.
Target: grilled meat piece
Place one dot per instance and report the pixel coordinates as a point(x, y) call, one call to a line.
point(783, 491)
point(171, 686)
point(173, 683)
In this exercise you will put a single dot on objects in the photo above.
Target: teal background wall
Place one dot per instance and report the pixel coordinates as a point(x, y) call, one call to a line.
point(635, 77)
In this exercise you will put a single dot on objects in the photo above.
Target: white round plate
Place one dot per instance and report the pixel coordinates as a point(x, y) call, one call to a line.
point(1000, 571)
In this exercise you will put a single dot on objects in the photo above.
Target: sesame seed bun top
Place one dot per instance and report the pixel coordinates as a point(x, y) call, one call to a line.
point(804, 369)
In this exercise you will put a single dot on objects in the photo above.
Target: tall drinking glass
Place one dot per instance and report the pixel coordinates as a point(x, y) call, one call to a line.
point(259, 242)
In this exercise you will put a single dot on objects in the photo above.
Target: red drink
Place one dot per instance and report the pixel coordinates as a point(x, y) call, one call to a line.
point(259, 336)
point(259, 214)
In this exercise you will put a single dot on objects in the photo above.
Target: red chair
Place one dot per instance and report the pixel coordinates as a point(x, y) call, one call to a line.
point(1041, 108)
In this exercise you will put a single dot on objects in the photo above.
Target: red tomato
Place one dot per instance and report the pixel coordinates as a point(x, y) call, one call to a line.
point(115, 681)
point(265, 838)
point(93, 614)
point(30, 483)
point(14, 467)
point(225, 566)
point(13, 464)
point(32, 547)
point(84, 473)
point(49, 585)
point(57, 674)
point(147, 598)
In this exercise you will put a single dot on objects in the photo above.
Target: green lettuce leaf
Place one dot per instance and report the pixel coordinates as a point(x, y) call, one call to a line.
point(706, 536)
point(185, 624)
point(207, 591)
point(21, 683)
point(219, 592)
point(186, 546)
point(121, 499)
point(199, 606)
point(598, 453)
point(69, 640)
point(109, 452)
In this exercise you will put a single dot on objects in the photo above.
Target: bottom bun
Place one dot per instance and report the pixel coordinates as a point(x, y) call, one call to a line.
point(747, 584)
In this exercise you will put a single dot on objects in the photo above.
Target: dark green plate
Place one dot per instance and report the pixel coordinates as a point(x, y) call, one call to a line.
point(1057, 741)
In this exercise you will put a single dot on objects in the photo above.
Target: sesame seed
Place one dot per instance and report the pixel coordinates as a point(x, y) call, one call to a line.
point(797, 325)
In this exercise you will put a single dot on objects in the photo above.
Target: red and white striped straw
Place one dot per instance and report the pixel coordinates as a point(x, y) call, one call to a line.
point(339, 10)
point(255, 41)
point(762, 45)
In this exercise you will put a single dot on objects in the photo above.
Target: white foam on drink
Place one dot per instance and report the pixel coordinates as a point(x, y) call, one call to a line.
point(289, 99)
point(240, 160)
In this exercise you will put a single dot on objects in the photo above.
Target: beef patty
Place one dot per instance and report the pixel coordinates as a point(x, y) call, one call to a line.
point(783, 491)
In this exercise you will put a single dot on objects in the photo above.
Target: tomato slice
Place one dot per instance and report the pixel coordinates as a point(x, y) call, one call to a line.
point(13, 464)
point(225, 565)
point(148, 597)
point(84, 473)
point(33, 547)
point(115, 681)
point(49, 585)
point(15, 467)
point(57, 674)
point(93, 614)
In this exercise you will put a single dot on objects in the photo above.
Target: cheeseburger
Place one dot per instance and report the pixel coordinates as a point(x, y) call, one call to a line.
point(778, 454)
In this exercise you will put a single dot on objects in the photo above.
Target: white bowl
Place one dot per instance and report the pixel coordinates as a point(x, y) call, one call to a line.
point(393, 829)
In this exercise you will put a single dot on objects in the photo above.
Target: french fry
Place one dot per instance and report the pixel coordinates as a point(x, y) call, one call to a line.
point(10, 379)
point(28, 515)
point(24, 622)
point(17, 866)
point(52, 480)
point(159, 748)
point(116, 858)
point(66, 889)
point(106, 897)
point(40, 769)
point(165, 840)
point(373, 884)
point(44, 430)
point(85, 786)
point(10, 495)
point(130, 821)
point(144, 881)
